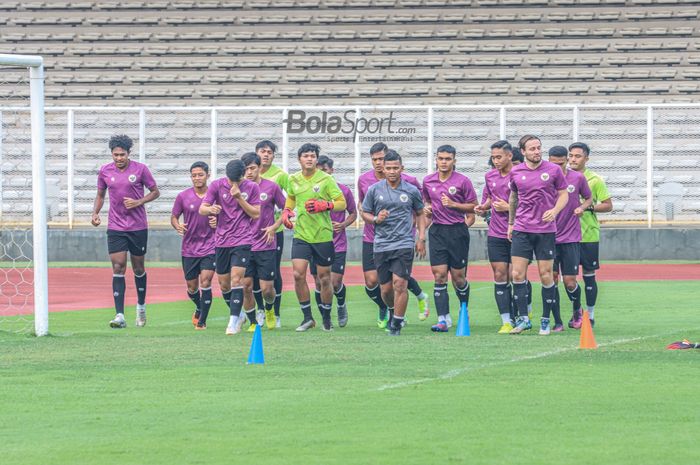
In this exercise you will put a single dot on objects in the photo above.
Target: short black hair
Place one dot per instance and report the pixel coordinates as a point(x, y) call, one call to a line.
point(200, 164)
point(525, 139)
point(490, 162)
point(580, 145)
point(323, 160)
point(447, 149)
point(309, 148)
point(518, 155)
point(558, 151)
point(266, 144)
point(392, 155)
point(378, 147)
point(249, 158)
point(235, 170)
point(122, 141)
point(503, 145)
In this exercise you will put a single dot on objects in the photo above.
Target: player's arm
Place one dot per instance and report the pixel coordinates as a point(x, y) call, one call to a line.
point(467, 207)
point(512, 208)
point(562, 199)
point(207, 209)
point(605, 206)
point(288, 212)
point(586, 205)
point(421, 225)
point(97, 206)
point(252, 211)
point(181, 228)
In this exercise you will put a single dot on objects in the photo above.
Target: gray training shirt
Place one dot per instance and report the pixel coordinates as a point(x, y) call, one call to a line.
point(396, 231)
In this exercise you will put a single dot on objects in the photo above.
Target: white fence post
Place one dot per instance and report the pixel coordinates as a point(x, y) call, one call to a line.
point(358, 157)
point(575, 121)
point(431, 136)
point(502, 123)
point(285, 155)
point(213, 148)
point(70, 158)
point(650, 166)
point(142, 135)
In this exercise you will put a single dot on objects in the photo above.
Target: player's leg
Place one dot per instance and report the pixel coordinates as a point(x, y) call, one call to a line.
point(422, 297)
point(372, 288)
point(206, 275)
point(324, 252)
point(385, 284)
point(556, 309)
point(339, 289)
point(223, 273)
point(545, 253)
point(590, 263)
point(138, 241)
point(498, 250)
point(266, 271)
point(118, 260)
point(301, 255)
point(190, 266)
point(521, 252)
point(570, 263)
point(458, 259)
point(400, 266)
point(257, 294)
point(278, 276)
point(317, 284)
point(249, 303)
point(237, 296)
point(442, 298)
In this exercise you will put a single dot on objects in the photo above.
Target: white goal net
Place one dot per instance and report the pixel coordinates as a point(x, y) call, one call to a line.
point(23, 227)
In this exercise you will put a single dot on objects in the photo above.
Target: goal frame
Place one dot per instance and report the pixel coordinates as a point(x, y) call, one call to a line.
point(35, 64)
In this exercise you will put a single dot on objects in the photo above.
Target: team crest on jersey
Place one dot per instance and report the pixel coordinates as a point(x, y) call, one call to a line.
point(317, 188)
point(452, 190)
point(263, 196)
point(132, 178)
point(570, 188)
point(544, 176)
point(244, 195)
point(403, 198)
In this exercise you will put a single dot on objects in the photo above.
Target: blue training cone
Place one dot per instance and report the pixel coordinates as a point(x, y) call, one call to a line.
point(256, 355)
point(463, 323)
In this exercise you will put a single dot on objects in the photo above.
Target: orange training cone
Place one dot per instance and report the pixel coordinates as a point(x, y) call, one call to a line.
point(587, 337)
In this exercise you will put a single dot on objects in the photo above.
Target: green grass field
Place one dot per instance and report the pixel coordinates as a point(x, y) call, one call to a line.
point(166, 394)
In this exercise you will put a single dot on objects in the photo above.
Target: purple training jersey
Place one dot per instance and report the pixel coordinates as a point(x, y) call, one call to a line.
point(568, 224)
point(198, 240)
point(537, 192)
point(271, 196)
point(497, 187)
point(457, 187)
point(120, 185)
point(363, 184)
point(340, 239)
point(233, 226)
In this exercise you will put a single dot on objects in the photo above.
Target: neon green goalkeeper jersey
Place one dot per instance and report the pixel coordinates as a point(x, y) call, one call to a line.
point(313, 228)
point(590, 228)
point(280, 178)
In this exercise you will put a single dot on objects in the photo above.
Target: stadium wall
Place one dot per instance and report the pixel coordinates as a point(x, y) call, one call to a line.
point(616, 244)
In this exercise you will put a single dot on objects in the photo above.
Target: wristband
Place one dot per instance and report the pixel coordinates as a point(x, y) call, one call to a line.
point(591, 209)
point(374, 220)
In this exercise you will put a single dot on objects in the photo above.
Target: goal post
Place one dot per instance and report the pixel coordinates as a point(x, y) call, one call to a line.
point(35, 65)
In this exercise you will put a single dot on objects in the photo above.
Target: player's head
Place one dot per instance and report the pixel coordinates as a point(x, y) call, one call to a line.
point(308, 156)
point(199, 173)
point(517, 156)
point(376, 154)
point(251, 161)
point(501, 154)
point(120, 146)
point(578, 156)
point(325, 164)
point(235, 169)
point(445, 158)
point(393, 165)
point(531, 147)
point(557, 155)
point(266, 151)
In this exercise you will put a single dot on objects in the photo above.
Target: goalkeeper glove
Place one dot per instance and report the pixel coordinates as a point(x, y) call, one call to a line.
point(318, 206)
point(287, 215)
point(682, 345)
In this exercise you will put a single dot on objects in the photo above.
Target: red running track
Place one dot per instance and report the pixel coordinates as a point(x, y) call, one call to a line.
point(87, 288)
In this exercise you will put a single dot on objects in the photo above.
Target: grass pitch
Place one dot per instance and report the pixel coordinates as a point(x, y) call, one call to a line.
point(165, 394)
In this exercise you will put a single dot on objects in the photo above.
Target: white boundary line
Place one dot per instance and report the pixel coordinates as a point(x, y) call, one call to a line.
point(460, 371)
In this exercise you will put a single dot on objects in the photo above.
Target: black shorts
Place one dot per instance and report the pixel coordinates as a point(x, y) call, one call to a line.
point(498, 249)
point(338, 265)
point(321, 253)
point(589, 256)
point(192, 266)
point(524, 244)
point(397, 262)
point(134, 242)
point(448, 244)
point(368, 257)
point(262, 265)
point(568, 259)
point(228, 257)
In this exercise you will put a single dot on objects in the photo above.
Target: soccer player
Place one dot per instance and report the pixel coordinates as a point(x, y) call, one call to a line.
point(236, 204)
point(340, 245)
point(495, 200)
point(568, 256)
point(537, 195)
point(314, 194)
point(266, 151)
point(590, 228)
point(448, 197)
point(263, 258)
point(369, 269)
point(390, 205)
point(197, 231)
point(127, 229)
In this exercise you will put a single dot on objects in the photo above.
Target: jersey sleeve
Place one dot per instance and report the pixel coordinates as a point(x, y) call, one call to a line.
point(599, 190)
point(212, 194)
point(559, 180)
point(101, 184)
point(147, 178)
point(350, 205)
point(331, 189)
point(426, 193)
point(253, 194)
point(368, 203)
point(584, 188)
point(469, 192)
point(417, 201)
point(177, 206)
point(284, 181)
point(278, 197)
point(486, 193)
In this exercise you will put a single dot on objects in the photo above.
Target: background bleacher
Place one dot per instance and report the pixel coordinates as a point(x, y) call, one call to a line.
point(360, 51)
